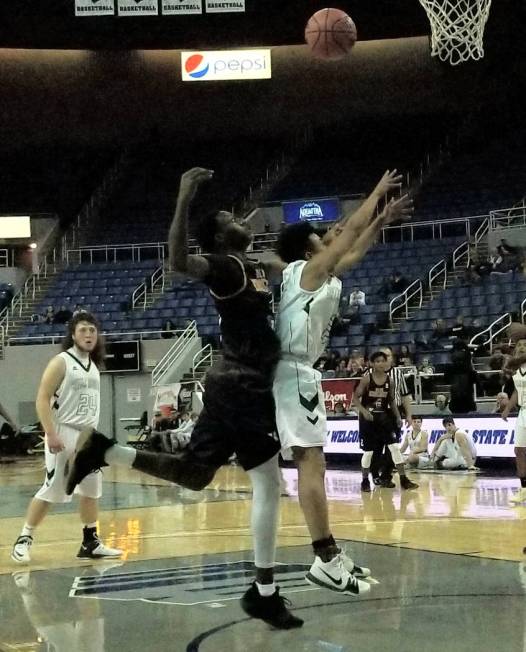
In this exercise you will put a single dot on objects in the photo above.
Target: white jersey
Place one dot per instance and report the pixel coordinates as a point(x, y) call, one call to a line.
point(304, 318)
point(471, 445)
point(414, 441)
point(519, 380)
point(76, 402)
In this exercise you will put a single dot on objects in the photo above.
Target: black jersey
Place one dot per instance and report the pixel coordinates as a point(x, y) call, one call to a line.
point(244, 303)
point(376, 397)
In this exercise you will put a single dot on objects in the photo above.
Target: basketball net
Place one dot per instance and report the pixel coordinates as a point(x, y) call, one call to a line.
point(457, 28)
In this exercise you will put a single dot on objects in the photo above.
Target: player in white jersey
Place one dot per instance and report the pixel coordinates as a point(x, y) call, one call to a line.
point(68, 400)
point(417, 441)
point(309, 303)
point(517, 365)
point(455, 449)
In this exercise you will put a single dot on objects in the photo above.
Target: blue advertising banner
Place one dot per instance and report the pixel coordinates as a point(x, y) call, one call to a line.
point(311, 210)
point(492, 436)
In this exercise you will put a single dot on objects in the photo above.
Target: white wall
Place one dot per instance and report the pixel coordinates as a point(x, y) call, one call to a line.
point(22, 368)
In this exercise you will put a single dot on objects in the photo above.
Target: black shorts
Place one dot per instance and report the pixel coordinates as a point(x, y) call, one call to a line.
point(238, 417)
point(374, 435)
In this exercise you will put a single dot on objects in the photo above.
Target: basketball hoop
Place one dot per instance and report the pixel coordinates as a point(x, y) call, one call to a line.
point(457, 28)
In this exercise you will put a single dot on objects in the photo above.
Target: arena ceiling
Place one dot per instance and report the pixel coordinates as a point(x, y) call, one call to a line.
point(113, 80)
point(52, 24)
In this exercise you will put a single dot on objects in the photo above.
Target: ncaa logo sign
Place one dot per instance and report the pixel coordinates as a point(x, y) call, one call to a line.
point(226, 65)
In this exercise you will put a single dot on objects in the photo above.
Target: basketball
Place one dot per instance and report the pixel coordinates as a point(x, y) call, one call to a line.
point(330, 34)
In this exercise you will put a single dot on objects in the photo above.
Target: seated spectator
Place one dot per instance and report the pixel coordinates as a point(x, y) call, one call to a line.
point(78, 308)
point(501, 403)
point(440, 330)
point(399, 283)
point(332, 361)
point(168, 329)
point(416, 440)
point(63, 315)
point(455, 449)
point(405, 358)
point(180, 437)
point(354, 368)
point(385, 288)
point(341, 369)
point(459, 330)
point(471, 274)
point(49, 316)
point(356, 298)
point(441, 405)
point(501, 262)
point(339, 409)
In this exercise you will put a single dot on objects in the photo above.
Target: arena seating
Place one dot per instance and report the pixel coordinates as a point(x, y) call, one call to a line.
point(142, 206)
point(106, 288)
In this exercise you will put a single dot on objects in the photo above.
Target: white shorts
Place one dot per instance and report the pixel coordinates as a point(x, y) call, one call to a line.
point(453, 458)
point(301, 418)
point(520, 429)
point(54, 488)
point(423, 459)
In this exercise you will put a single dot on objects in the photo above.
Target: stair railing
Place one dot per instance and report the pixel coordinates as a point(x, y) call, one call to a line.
point(401, 301)
point(175, 352)
point(488, 335)
point(201, 358)
point(436, 273)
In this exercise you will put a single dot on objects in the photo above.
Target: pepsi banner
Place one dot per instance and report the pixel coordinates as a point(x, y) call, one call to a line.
point(312, 210)
point(493, 437)
point(224, 6)
point(182, 7)
point(138, 7)
point(226, 65)
point(94, 7)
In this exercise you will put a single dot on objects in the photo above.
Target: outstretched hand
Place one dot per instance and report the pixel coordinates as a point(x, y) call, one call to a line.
point(397, 209)
point(390, 181)
point(193, 178)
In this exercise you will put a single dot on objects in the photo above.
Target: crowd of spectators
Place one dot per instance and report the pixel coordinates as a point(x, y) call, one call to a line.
point(504, 259)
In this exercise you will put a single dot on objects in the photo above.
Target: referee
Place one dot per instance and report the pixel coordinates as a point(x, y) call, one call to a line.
point(382, 465)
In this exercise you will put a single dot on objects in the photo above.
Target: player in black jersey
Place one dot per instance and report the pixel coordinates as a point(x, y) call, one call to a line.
point(239, 412)
point(379, 419)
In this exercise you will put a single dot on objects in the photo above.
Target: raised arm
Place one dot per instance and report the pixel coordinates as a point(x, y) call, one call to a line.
point(360, 218)
point(396, 209)
point(180, 260)
point(323, 264)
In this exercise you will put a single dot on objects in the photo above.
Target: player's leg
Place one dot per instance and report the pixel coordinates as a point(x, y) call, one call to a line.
point(92, 547)
point(328, 569)
point(52, 491)
point(370, 446)
point(262, 600)
point(194, 470)
point(398, 460)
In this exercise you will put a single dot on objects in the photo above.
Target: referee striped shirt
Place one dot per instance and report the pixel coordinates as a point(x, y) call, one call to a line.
point(396, 376)
point(397, 379)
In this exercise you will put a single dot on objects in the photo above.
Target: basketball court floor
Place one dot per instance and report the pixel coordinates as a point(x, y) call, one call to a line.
point(447, 561)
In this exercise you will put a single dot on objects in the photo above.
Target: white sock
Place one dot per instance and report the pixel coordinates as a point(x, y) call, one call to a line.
point(266, 590)
point(91, 526)
point(120, 455)
point(266, 492)
point(27, 530)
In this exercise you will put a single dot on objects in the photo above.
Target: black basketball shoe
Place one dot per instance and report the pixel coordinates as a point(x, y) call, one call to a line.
point(271, 609)
point(89, 457)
